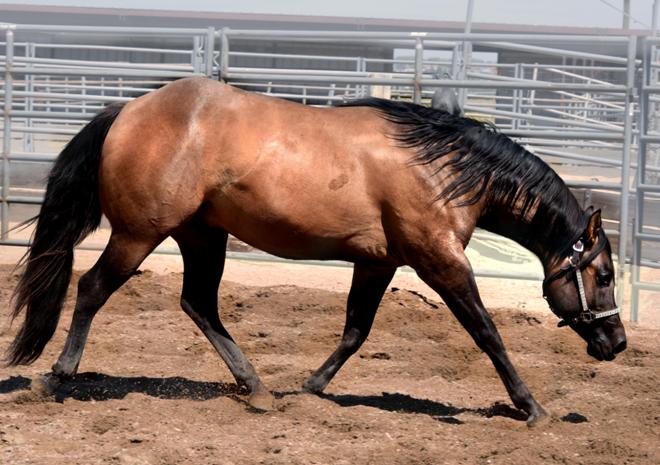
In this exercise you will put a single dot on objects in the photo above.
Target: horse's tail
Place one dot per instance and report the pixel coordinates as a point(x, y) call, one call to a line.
point(70, 211)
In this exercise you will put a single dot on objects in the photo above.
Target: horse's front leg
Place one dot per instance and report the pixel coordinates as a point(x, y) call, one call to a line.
point(451, 276)
point(369, 285)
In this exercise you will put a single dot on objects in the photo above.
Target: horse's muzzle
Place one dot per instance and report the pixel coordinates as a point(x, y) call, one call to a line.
point(605, 350)
point(620, 346)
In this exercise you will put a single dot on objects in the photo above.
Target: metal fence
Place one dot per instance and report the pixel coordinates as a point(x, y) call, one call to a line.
point(647, 179)
point(572, 107)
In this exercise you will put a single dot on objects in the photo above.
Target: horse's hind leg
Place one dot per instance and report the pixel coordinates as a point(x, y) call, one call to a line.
point(203, 251)
point(121, 257)
point(367, 289)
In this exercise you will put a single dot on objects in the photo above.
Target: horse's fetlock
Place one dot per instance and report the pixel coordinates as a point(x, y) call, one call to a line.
point(352, 340)
point(351, 343)
point(524, 401)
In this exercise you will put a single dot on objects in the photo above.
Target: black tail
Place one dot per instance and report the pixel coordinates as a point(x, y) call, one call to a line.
point(70, 211)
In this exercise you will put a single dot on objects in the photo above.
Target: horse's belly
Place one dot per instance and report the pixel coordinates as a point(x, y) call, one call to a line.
point(300, 227)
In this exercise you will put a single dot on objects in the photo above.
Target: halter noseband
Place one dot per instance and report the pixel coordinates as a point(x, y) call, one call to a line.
point(576, 264)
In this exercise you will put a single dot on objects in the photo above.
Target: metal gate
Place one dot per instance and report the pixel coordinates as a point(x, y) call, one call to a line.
point(646, 230)
point(572, 107)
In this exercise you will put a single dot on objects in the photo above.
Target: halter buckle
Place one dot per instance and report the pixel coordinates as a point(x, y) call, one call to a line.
point(574, 258)
point(586, 317)
point(582, 317)
point(578, 247)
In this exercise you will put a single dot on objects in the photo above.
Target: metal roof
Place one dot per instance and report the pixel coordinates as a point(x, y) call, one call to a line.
point(69, 15)
point(117, 17)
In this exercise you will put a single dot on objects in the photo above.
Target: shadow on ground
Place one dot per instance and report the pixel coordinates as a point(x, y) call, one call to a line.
point(99, 387)
point(14, 383)
point(406, 404)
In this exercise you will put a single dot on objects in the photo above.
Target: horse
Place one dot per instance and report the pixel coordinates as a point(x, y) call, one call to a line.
point(378, 183)
point(447, 100)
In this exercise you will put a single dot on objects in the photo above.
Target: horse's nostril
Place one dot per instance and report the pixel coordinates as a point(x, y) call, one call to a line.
point(620, 347)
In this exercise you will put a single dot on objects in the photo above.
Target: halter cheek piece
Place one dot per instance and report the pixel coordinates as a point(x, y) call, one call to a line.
point(576, 264)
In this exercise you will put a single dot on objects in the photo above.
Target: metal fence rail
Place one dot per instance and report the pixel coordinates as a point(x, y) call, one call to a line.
point(571, 107)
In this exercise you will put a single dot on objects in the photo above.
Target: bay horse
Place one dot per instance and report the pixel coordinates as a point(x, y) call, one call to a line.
point(378, 183)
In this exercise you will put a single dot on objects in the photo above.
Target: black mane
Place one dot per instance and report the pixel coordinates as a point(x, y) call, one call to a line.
point(485, 162)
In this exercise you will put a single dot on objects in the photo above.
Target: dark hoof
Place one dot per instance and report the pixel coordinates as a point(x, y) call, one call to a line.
point(538, 418)
point(313, 386)
point(63, 374)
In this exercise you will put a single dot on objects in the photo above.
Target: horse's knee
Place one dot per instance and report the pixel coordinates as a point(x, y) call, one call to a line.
point(487, 338)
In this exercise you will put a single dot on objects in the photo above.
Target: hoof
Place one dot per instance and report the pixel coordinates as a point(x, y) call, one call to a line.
point(45, 385)
point(262, 400)
point(62, 373)
point(312, 386)
point(42, 389)
point(538, 418)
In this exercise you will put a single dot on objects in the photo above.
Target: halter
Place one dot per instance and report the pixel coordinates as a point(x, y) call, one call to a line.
point(576, 263)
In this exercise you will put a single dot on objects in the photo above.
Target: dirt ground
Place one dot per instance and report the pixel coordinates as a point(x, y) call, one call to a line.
point(151, 390)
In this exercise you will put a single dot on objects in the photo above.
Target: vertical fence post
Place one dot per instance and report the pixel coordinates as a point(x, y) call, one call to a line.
point(28, 138)
point(587, 198)
point(455, 58)
point(362, 63)
point(419, 62)
point(467, 54)
point(532, 93)
point(645, 110)
point(47, 106)
point(625, 168)
point(196, 54)
point(224, 55)
point(6, 135)
point(517, 93)
point(209, 50)
point(66, 101)
point(331, 94)
point(83, 92)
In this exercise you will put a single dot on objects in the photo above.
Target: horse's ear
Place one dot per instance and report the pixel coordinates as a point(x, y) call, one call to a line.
point(593, 227)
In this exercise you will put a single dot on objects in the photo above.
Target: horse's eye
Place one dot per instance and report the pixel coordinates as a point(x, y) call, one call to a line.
point(603, 279)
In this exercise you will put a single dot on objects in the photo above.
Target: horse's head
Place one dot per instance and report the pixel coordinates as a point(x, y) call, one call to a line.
point(580, 290)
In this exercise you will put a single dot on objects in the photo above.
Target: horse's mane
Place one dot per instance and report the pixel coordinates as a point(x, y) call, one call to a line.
point(484, 162)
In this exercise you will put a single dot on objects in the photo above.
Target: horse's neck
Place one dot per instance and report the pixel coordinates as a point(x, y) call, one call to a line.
point(545, 232)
